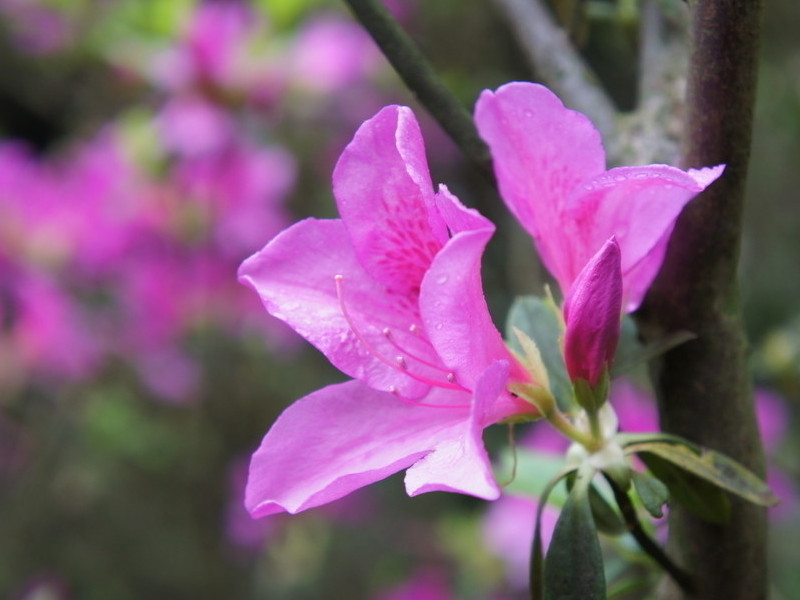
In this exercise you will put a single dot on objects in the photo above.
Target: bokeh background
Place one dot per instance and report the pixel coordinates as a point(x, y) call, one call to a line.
point(146, 148)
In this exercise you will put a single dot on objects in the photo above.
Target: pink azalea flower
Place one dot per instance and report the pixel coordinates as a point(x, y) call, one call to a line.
point(592, 312)
point(550, 166)
point(391, 294)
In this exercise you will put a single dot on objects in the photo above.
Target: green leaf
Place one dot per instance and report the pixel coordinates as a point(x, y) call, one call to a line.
point(540, 321)
point(573, 567)
point(698, 496)
point(605, 517)
point(652, 492)
point(713, 467)
point(626, 439)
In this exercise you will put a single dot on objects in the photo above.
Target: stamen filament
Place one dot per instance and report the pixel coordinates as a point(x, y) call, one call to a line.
point(426, 404)
point(399, 363)
point(387, 333)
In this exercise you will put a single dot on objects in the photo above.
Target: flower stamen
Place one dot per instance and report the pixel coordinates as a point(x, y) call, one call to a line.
point(399, 363)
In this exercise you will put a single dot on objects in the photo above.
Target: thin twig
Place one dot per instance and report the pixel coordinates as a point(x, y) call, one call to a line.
point(420, 77)
point(681, 577)
point(556, 61)
point(652, 133)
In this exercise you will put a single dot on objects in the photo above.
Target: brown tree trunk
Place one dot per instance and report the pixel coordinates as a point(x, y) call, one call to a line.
point(703, 386)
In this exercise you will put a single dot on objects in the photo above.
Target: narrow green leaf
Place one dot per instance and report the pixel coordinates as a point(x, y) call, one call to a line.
point(626, 439)
point(537, 319)
point(573, 567)
point(701, 498)
point(652, 492)
point(713, 467)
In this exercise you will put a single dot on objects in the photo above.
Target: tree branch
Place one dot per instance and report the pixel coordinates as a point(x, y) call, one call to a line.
point(703, 386)
point(420, 77)
point(556, 61)
point(646, 543)
point(652, 133)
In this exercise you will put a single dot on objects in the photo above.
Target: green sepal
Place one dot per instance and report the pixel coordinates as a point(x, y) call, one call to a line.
point(573, 567)
point(711, 466)
point(703, 499)
point(652, 493)
point(591, 399)
point(540, 320)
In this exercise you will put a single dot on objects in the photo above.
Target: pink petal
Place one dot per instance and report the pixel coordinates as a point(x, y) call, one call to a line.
point(385, 196)
point(460, 463)
point(344, 437)
point(541, 151)
point(638, 206)
point(452, 303)
point(294, 276)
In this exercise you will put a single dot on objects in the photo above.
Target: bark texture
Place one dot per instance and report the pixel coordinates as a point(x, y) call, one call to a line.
point(703, 386)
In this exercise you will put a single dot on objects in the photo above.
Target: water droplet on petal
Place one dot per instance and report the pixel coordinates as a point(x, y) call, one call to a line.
point(442, 279)
point(439, 326)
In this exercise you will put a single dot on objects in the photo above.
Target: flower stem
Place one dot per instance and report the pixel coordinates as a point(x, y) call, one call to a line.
point(420, 77)
point(560, 422)
point(681, 577)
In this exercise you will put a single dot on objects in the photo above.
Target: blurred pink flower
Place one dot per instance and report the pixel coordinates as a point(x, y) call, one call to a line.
point(773, 422)
point(428, 584)
point(508, 530)
point(242, 190)
point(36, 27)
point(330, 53)
point(192, 126)
point(218, 55)
point(47, 332)
point(550, 167)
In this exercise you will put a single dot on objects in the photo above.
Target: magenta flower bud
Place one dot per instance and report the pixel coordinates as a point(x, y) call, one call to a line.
point(592, 312)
